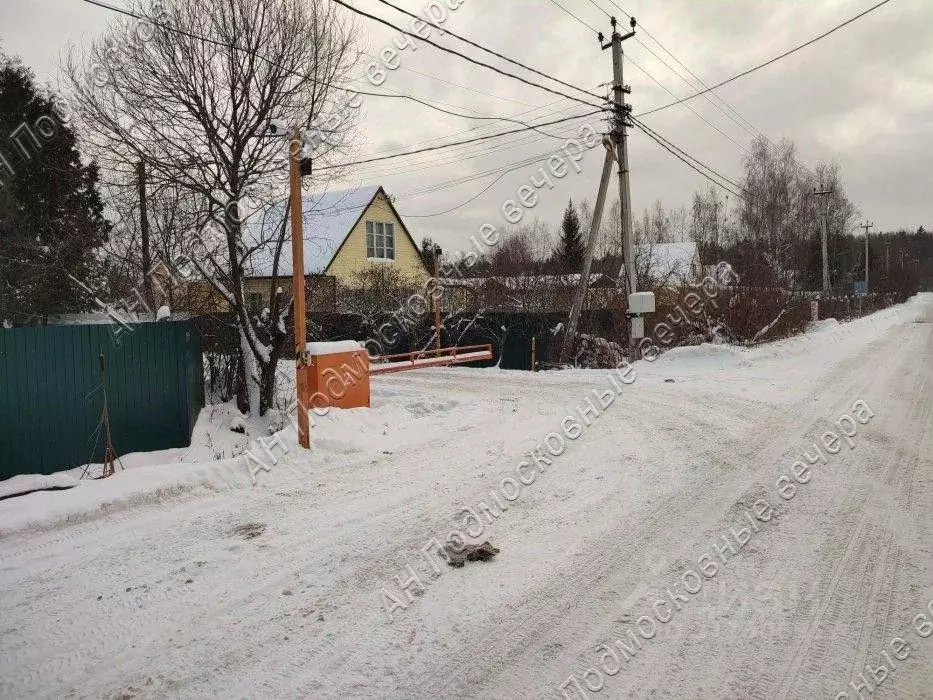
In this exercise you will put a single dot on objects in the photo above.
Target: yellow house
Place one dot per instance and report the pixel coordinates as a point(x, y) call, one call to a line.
point(345, 232)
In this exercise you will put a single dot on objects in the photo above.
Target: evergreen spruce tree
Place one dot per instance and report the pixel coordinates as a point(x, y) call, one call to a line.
point(570, 251)
point(51, 215)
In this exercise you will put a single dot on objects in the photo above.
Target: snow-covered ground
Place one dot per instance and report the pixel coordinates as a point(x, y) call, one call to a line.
point(178, 578)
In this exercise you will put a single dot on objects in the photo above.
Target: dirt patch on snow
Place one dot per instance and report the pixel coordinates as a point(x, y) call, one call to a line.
point(249, 531)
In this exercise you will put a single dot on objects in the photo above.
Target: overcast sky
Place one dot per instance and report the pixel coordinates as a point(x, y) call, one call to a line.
point(862, 97)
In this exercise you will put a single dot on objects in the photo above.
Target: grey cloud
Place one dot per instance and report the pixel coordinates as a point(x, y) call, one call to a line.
point(862, 97)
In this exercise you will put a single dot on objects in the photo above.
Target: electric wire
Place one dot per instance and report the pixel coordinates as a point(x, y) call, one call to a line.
point(457, 157)
point(488, 50)
point(658, 82)
point(234, 47)
point(405, 68)
point(769, 61)
point(456, 143)
point(459, 54)
point(585, 24)
point(693, 162)
point(657, 41)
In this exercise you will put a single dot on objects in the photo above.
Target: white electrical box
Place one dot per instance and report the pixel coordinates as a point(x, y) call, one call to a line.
point(638, 327)
point(641, 303)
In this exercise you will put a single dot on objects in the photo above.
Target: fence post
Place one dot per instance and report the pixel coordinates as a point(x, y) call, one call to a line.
point(533, 363)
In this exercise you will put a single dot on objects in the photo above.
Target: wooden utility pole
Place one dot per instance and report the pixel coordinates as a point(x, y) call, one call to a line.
point(298, 286)
point(866, 226)
point(620, 117)
point(436, 254)
point(582, 285)
point(824, 245)
point(144, 233)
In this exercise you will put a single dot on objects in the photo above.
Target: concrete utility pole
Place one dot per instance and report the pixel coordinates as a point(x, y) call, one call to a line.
point(144, 232)
point(620, 117)
point(866, 226)
point(298, 284)
point(582, 285)
point(823, 193)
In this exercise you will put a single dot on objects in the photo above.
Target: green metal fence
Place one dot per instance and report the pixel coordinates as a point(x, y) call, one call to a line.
point(51, 395)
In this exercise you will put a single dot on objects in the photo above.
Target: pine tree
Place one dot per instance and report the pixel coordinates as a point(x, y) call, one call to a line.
point(51, 215)
point(569, 253)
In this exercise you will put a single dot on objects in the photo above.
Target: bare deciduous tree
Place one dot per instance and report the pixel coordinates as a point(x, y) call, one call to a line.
point(191, 93)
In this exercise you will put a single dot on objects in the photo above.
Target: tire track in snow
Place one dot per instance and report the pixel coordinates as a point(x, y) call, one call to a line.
point(835, 605)
point(768, 444)
point(112, 646)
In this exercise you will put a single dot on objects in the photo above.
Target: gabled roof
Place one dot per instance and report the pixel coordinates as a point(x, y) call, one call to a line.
point(328, 217)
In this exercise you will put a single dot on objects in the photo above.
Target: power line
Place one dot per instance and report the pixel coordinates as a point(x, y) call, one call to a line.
point(585, 24)
point(454, 159)
point(737, 119)
point(476, 176)
point(467, 155)
point(660, 84)
point(374, 94)
point(769, 61)
point(691, 161)
point(697, 114)
point(692, 87)
point(679, 62)
point(449, 82)
point(468, 116)
point(234, 47)
point(477, 195)
point(456, 143)
point(593, 3)
point(483, 126)
point(460, 55)
point(750, 129)
point(487, 50)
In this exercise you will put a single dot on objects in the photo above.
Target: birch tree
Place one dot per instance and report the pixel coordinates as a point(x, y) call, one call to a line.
point(190, 90)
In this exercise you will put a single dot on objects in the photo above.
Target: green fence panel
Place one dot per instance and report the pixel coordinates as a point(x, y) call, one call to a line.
point(51, 392)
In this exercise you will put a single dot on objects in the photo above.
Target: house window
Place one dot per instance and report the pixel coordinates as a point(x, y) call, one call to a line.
point(254, 300)
point(380, 241)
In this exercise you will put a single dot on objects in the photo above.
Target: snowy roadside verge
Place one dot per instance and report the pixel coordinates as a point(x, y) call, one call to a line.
point(402, 415)
point(22, 484)
point(132, 488)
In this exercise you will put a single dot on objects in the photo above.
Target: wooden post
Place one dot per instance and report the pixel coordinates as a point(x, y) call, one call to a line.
point(437, 305)
point(534, 367)
point(298, 288)
point(144, 235)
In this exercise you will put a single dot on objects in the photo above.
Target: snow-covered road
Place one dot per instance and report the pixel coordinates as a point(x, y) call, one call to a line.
point(186, 581)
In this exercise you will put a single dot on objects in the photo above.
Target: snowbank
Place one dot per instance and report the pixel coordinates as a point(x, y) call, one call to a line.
point(94, 498)
point(826, 324)
point(27, 483)
point(705, 355)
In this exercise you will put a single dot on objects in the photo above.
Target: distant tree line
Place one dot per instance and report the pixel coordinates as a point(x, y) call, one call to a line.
point(770, 229)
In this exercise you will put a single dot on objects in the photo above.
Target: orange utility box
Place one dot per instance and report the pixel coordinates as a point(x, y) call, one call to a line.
point(337, 375)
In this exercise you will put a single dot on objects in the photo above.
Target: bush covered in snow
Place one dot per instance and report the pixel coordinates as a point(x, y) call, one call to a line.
point(593, 352)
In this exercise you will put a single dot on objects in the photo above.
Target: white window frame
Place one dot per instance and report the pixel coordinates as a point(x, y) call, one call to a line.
point(380, 241)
